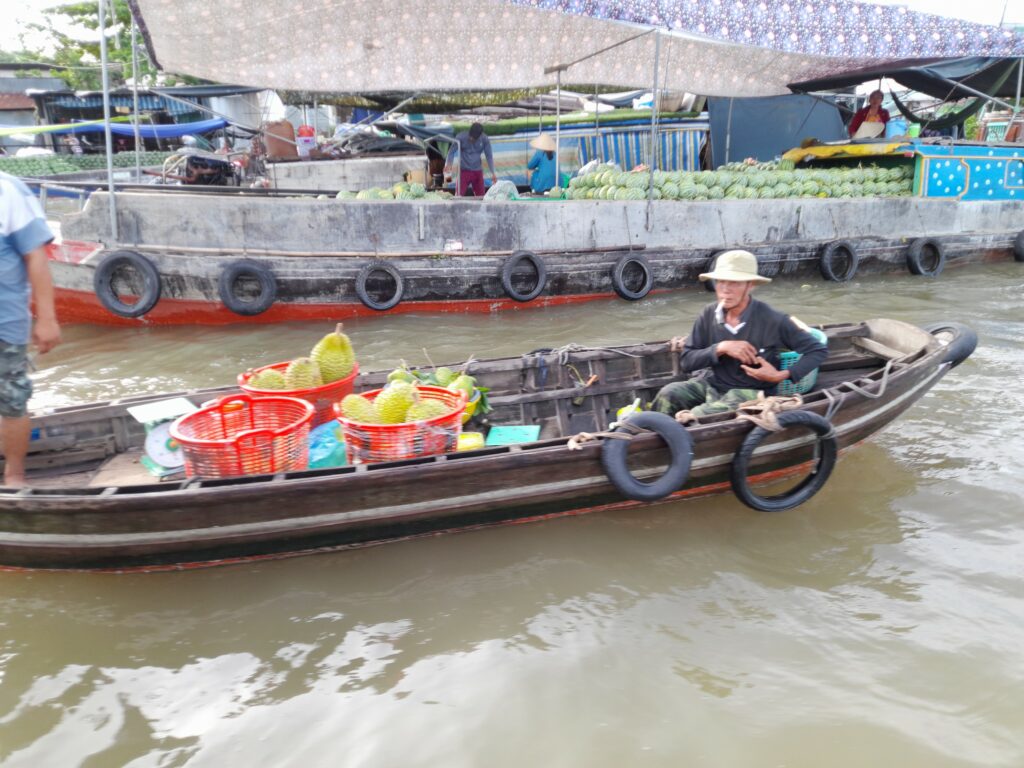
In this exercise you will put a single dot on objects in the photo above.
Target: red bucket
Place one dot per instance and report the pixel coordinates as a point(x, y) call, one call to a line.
point(372, 443)
point(243, 435)
point(322, 398)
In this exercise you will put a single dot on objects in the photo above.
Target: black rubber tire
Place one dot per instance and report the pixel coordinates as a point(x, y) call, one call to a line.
point(619, 276)
point(838, 250)
point(264, 299)
point(917, 255)
point(377, 265)
point(961, 347)
point(102, 283)
point(509, 267)
point(709, 285)
point(680, 446)
point(1018, 246)
point(810, 485)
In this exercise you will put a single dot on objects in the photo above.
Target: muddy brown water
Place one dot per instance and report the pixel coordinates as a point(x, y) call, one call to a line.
point(882, 623)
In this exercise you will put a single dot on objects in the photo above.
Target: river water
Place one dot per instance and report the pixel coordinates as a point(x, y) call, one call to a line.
point(882, 623)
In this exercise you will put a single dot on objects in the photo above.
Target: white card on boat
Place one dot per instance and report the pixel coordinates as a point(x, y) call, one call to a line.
point(162, 410)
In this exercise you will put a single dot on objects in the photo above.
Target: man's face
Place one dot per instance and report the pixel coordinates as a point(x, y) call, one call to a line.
point(731, 293)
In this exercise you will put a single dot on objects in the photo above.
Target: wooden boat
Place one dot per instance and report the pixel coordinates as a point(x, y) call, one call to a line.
point(94, 507)
point(214, 258)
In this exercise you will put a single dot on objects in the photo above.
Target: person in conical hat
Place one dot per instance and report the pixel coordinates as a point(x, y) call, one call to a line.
point(735, 343)
point(541, 168)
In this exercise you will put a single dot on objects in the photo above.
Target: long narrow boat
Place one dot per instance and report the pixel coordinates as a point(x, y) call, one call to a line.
point(93, 506)
point(216, 258)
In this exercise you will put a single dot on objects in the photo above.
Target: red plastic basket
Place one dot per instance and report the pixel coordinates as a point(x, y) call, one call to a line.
point(323, 398)
point(244, 435)
point(372, 443)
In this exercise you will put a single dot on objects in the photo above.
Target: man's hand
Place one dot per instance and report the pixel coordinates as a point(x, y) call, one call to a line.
point(45, 335)
point(676, 343)
point(765, 371)
point(494, 178)
point(740, 350)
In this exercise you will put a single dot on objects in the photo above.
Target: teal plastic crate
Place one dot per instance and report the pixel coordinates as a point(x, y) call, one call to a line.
point(787, 360)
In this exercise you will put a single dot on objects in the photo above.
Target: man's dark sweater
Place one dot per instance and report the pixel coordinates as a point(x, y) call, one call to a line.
point(770, 332)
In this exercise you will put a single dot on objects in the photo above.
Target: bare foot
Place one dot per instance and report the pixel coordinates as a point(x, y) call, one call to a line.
point(12, 481)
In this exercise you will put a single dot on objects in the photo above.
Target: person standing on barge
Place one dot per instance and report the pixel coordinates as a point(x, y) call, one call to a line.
point(24, 277)
point(471, 147)
point(738, 339)
point(872, 114)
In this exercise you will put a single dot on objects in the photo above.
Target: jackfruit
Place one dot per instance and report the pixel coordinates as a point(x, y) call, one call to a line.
point(464, 383)
point(334, 356)
point(302, 373)
point(358, 408)
point(394, 401)
point(426, 409)
point(269, 378)
point(444, 376)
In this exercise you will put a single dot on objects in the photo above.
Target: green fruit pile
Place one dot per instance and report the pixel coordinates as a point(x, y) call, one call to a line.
point(744, 181)
point(35, 166)
point(330, 360)
point(403, 190)
point(399, 402)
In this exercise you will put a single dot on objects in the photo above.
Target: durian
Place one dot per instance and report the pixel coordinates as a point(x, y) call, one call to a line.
point(334, 356)
point(269, 378)
point(425, 409)
point(302, 373)
point(394, 400)
point(358, 408)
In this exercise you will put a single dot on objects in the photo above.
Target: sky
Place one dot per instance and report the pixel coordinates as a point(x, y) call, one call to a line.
point(981, 11)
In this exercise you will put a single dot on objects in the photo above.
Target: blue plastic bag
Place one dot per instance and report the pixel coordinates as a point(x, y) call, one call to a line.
point(327, 446)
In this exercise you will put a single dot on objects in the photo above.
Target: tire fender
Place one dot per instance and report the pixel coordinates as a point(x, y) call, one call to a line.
point(831, 260)
point(1018, 246)
point(251, 269)
point(960, 347)
point(619, 276)
point(917, 255)
point(680, 446)
point(509, 267)
point(103, 278)
point(378, 265)
point(828, 451)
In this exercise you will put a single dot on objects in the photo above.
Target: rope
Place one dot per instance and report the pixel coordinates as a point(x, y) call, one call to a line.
point(625, 431)
point(881, 384)
point(564, 351)
point(764, 411)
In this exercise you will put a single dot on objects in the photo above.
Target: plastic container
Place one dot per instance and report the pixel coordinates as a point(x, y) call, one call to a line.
point(896, 127)
point(243, 435)
point(327, 446)
point(305, 140)
point(788, 359)
point(373, 443)
point(323, 398)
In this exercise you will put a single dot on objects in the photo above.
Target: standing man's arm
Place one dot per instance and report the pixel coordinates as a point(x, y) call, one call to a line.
point(490, 159)
point(45, 330)
point(453, 149)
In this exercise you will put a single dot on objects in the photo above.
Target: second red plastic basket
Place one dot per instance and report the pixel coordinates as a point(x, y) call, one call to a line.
point(323, 397)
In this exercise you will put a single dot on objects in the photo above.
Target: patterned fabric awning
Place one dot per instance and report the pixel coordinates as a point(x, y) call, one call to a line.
point(710, 47)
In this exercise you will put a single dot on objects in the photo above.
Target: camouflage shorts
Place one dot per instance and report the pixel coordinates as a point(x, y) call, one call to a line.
point(15, 385)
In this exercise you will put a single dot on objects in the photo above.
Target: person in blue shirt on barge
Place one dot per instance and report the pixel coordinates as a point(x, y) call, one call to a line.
point(541, 168)
point(738, 339)
point(24, 276)
point(471, 146)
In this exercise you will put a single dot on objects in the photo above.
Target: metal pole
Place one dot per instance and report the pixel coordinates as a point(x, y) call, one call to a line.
point(1020, 77)
point(728, 131)
point(106, 122)
point(558, 128)
point(135, 100)
point(597, 125)
point(654, 134)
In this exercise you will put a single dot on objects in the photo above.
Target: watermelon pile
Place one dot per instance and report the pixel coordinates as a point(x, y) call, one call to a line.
point(35, 166)
point(403, 190)
point(744, 181)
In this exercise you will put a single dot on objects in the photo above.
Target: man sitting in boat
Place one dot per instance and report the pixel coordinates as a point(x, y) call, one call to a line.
point(738, 340)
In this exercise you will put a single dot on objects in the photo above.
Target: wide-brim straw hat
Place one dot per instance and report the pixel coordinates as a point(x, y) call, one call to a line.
point(544, 143)
point(739, 266)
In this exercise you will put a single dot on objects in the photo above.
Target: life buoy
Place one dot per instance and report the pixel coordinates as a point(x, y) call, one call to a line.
point(926, 256)
point(709, 285)
point(1018, 246)
point(509, 267)
point(148, 292)
point(834, 257)
point(619, 276)
point(251, 270)
point(828, 450)
point(959, 340)
point(680, 446)
point(391, 271)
